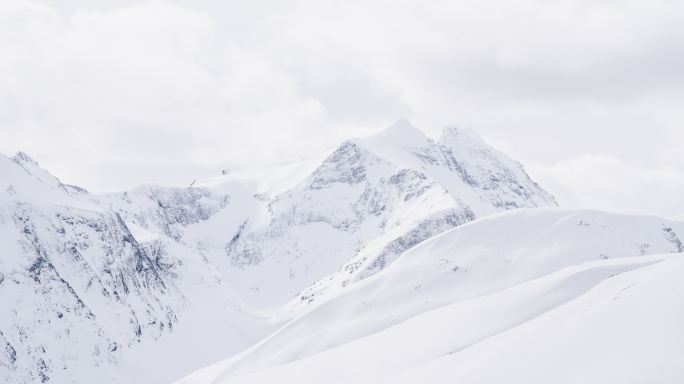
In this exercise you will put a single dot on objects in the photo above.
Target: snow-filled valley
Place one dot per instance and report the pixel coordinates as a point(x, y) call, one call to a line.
point(394, 258)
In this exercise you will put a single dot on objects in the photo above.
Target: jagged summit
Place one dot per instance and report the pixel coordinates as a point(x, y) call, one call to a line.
point(31, 166)
point(24, 162)
point(464, 136)
point(401, 127)
point(22, 157)
point(401, 132)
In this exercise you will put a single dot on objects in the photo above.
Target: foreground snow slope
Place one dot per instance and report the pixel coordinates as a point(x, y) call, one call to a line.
point(612, 321)
point(452, 293)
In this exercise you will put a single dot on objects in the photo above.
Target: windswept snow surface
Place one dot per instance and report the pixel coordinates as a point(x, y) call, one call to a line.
point(508, 291)
point(614, 321)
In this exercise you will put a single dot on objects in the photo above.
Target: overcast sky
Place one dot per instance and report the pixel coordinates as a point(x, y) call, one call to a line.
point(588, 95)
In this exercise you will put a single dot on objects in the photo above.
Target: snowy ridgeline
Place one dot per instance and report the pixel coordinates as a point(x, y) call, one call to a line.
point(334, 263)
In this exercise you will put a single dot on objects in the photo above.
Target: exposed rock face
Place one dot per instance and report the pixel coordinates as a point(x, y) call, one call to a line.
point(70, 273)
point(163, 209)
point(497, 178)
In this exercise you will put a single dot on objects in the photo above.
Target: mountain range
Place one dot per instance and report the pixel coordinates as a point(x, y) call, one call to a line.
point(394, 258)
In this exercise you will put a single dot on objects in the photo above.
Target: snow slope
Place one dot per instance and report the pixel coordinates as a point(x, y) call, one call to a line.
point(595, 322)
point(500, 278)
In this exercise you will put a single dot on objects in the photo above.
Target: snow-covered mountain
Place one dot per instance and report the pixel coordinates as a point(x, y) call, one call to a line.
point(274, 232)
point(147, 285)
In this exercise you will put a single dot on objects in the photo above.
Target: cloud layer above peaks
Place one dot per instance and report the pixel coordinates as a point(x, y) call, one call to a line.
point(113, 94)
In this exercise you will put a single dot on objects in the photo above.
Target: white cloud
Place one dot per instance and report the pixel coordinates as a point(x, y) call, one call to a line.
point(141, 93)
point(605, 182)
point(109, 94)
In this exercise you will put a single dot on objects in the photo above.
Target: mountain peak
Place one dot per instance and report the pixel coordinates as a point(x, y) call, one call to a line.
point(21, 157)
point(401, 127)
point(28, 164)
point(455, 134)
point(402, 123)
point(401, 133)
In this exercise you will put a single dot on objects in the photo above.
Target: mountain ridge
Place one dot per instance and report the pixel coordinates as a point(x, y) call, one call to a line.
point(148, 274)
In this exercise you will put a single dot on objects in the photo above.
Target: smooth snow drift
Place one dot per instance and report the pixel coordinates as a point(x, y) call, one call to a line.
point(507, 288)
point(615, 321)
